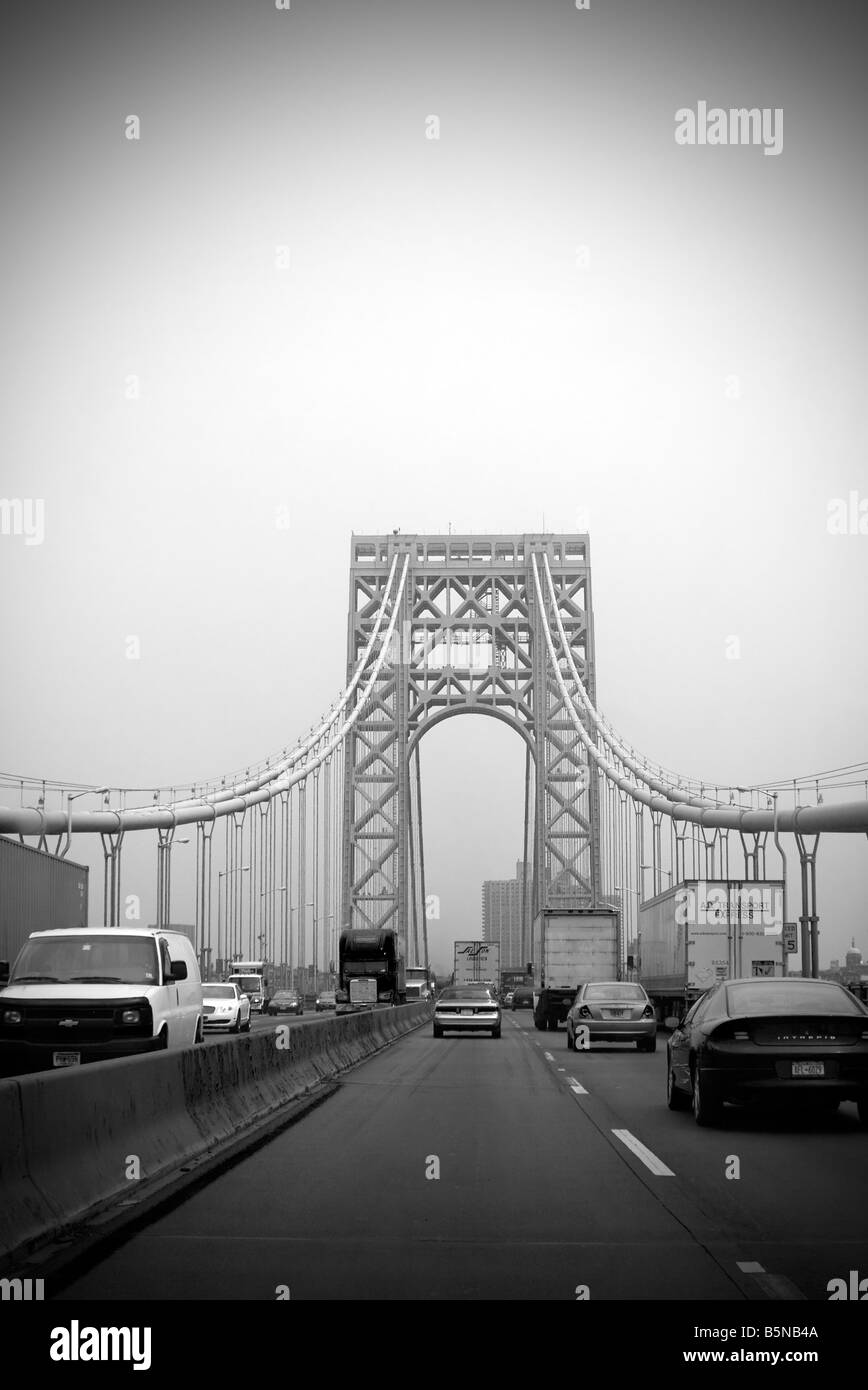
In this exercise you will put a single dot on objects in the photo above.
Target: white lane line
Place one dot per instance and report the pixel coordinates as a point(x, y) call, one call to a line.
point(647, 1157)
point(773, 1285)
point(548, 1056)
point(576, 1088)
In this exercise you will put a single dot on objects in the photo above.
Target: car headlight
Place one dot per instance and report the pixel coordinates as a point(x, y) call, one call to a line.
point(131, 1016)
point(13, 1016)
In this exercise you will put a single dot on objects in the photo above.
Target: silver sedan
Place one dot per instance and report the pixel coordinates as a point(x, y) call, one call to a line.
point(470, 1007)
point(612, 1011)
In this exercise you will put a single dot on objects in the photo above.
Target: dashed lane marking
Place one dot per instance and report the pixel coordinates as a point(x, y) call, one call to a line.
point(772, 1285)
point(651, 1161)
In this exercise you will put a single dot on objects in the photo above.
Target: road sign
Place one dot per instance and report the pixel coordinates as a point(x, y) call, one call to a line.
point(791, 937)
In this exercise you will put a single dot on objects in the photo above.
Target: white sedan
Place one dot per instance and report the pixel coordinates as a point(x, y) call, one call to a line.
point(225, 1006)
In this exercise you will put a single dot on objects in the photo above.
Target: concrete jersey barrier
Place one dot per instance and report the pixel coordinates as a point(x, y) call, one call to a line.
point(74, 1143)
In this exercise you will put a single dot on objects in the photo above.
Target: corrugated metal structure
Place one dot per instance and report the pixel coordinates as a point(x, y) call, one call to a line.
point(37, 891)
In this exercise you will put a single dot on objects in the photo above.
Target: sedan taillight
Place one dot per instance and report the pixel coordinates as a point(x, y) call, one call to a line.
point(648, 1011)
point(584, 1012)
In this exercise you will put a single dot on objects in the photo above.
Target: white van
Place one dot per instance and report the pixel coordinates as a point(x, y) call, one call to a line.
point(80, 995)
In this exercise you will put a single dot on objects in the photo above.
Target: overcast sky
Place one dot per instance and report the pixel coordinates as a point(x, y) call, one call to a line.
point(284, 300)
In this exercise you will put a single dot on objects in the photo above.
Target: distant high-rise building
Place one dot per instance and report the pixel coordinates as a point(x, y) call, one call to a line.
point(501, 915)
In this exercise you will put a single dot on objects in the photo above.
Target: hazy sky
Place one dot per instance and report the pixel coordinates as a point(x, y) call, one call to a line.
point(285, 300)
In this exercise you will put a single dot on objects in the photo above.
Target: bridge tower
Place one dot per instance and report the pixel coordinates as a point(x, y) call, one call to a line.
point(469, 637)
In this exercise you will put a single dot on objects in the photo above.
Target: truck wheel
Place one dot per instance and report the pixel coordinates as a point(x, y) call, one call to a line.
point(495, 1032)
point(646, 1045)
point(236, 1026)
point(438, 1032)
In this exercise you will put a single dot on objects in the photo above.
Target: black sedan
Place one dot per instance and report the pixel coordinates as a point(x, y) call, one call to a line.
point(285, 1001)
point(785, 1040)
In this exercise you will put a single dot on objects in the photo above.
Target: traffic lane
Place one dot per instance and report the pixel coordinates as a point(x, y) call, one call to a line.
point(789, 1186)
point(454, 1168)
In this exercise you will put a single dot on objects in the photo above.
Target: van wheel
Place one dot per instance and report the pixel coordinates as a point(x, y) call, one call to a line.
point(236, 1026)
point(198, 1038)
point(247, 1025)
point(163, 1045)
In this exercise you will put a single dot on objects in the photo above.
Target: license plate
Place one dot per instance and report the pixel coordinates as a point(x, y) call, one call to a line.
point(467, 1011)
point(67, 1059)
point(809, 1069)
point(615, 1013)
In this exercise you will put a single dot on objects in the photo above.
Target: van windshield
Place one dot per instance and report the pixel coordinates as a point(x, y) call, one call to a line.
point(127, 960)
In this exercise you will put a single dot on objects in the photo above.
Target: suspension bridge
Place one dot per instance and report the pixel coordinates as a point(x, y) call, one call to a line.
point(328, 833)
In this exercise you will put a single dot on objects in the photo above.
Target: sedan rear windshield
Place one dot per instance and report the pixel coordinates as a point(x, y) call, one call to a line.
point(790, 997)
point(616, 991)
point(219, 991)
point(466, 992)
point(111, 960)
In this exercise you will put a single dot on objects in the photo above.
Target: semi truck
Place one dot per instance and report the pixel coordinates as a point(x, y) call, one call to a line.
point(420, 984)
point(700, 931)
point(371, 969)
point(477, 963)
point(570, 948)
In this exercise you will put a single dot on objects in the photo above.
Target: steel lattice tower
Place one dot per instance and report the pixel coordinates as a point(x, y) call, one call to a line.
point(469, 637)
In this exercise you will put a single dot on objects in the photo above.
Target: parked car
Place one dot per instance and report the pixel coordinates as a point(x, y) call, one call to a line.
point(326, 999)
point(467, 1007)
point(508, 998)
point(285, 1001)
point(613, 1011)
point(763, 1040)
point(522, 998)
point(225, 1006)
point(78, 995)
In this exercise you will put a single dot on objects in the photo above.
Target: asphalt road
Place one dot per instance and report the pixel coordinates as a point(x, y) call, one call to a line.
point(540, 1190)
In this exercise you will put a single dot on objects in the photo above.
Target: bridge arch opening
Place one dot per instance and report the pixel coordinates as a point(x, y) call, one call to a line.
point(473, 809)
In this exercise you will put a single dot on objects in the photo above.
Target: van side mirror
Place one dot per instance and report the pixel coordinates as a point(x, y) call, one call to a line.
point(4, 971)
point(179, 970)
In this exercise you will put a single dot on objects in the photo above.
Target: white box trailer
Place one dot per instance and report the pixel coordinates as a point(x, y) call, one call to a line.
point(570, 948)
point(477, 962)
point(704, 930)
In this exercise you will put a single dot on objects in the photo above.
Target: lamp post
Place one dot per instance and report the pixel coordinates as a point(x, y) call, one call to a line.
point(166, 851)
point(263, 940)
point(657, 871)
point(226, 873)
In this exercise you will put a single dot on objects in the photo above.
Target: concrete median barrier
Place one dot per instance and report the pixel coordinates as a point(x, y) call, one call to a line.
point(76, 1143)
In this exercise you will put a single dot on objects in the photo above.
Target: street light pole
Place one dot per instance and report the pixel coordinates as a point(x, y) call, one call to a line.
point(226, 873)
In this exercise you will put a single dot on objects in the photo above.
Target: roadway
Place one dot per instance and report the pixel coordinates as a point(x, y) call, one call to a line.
point(536, 1195)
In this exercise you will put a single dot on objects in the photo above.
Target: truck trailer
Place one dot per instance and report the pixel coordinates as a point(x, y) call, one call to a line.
point(477, 963)
point(701, 931)
point(570, 948)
